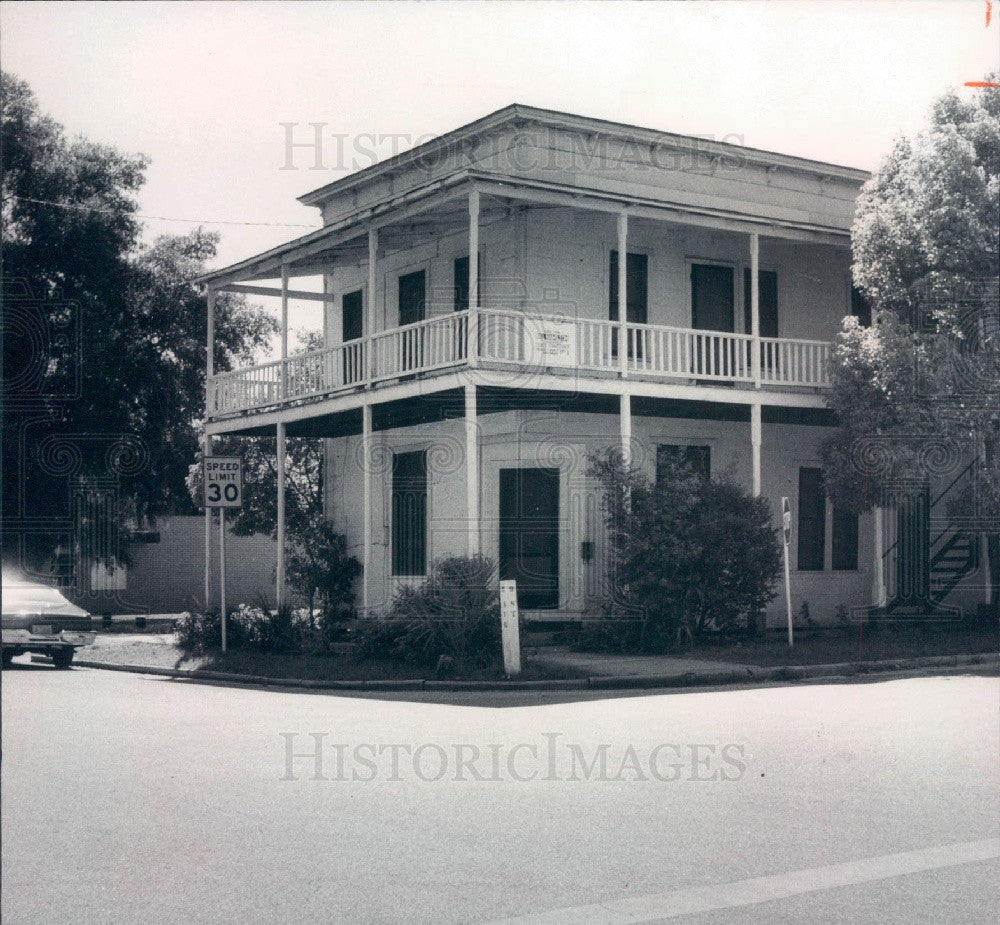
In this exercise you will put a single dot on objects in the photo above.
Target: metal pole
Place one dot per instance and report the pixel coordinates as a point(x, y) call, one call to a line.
point(222, 572)
point(207, 442)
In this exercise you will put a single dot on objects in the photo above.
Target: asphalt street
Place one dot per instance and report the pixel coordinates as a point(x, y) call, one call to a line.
point(131, 798)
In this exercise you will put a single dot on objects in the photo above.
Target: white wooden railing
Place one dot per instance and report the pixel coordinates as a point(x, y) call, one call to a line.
point(505, 338)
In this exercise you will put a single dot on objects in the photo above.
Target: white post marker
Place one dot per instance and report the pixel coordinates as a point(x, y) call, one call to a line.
point(509, 628)
point(786, 535)
point(223, 488)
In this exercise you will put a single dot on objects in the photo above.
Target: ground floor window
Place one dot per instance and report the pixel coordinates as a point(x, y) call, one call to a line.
point(845, 540)
point(699, 458)
point(812, 520)
point(409, 513)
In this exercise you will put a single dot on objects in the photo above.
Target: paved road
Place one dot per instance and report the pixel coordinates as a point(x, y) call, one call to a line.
point(140, 799)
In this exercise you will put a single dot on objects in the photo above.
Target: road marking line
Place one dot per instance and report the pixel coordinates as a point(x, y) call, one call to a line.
point(762, 889)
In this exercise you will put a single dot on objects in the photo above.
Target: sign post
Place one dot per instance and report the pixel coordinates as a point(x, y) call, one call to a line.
point(786, 535)
point(509, 628)
point(223, 488)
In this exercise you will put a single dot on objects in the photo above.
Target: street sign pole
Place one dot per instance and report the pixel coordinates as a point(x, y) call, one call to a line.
point(786, 530)
point(223, 488)
point(222, 573)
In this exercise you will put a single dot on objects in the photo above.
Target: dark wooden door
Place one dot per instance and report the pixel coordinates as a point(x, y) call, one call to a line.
point(529, 535)
point(352, 308)
point(412, 308)
point(712, 309)
point(636, 296)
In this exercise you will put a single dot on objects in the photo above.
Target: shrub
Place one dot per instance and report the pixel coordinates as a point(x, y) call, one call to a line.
point(455, 612)
point(250, 627)
point(689, 555)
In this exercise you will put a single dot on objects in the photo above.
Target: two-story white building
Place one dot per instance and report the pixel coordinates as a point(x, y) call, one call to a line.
point(477, 352)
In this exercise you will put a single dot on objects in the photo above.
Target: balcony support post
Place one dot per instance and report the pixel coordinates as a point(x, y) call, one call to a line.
point(472, 351)
point(755, 307)
point(366, 504)
point(472, 469)
point(756, 434)
point(623, 293)
point(625, 423)
point(279, 592)
point(284, 331)
point(369, 347)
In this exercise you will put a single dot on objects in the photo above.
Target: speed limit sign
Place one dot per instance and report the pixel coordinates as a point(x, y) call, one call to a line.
point(223, 481)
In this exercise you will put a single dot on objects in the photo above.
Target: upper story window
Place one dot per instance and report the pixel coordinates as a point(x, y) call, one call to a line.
point(767, 288)
point(462, 282)
point(352, 308)
point(861, 308)
point(712, 297)
point(412, 297)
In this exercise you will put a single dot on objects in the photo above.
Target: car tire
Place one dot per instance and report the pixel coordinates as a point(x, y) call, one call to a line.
point(62, 658)
point(8, 657)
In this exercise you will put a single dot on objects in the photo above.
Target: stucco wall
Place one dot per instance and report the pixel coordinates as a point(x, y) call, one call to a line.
point(565, 440)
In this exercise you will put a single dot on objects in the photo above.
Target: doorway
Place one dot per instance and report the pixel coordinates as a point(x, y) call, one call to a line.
point(529, 535)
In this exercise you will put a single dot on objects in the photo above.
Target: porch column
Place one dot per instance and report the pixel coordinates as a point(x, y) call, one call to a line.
point(366, 505)
point(207, 442)
point(623, 293)
point(284, 330)
point(279, 592)
point(878, 569)
point(371, 302)
point(473, 346)
point(625, 420)
point(472, 469)
point(755, 307)
point(756, 433)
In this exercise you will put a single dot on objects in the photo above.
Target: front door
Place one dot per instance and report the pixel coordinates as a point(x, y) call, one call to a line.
point(529, 535)
point(712, 309)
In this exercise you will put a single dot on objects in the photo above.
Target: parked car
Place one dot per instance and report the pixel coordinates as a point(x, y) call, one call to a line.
point(37, 618)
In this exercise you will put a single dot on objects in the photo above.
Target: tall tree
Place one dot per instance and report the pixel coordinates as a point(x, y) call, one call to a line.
point(921, 388)
point(103, 337)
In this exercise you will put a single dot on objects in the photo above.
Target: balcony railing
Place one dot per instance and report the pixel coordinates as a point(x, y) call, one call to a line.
point(502, 338)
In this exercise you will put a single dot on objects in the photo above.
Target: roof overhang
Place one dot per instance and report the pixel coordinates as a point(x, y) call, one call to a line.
point(519, 114)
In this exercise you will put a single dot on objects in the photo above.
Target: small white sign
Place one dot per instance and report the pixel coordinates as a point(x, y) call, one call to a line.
point(223, 481)
point(510, 629)
point(550, 342)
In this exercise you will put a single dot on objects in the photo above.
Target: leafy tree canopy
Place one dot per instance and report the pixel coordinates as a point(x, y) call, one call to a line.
point(918, 394)
point(104, 337)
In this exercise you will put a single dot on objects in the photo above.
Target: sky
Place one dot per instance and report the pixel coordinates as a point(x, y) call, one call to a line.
point(204, 88)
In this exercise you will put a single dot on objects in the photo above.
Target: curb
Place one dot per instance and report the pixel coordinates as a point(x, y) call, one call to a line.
point(686, 679)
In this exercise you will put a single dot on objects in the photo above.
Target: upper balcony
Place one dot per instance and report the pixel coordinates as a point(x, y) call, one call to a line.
point(526, 350)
